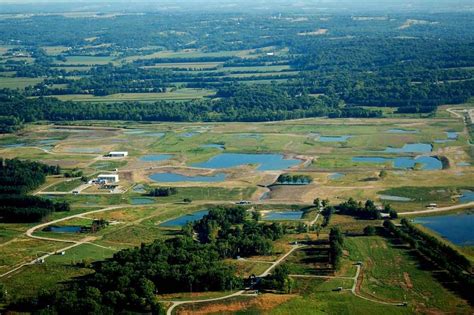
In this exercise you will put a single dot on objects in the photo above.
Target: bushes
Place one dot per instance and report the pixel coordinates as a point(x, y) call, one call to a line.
point(163, 192)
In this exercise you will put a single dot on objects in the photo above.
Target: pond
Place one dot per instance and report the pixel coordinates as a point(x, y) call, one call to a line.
point(428, 163)
point(394, 198)
point(396, 130)
point(266, 162)
point(181, 221)
point(452, 136)
point(283, 216)
point(463, 164)
point(156, 157)
point(467, 196)
point(189, 134)
point(334, 138)
point(336, 176)
point(171, 178)
point(64, 229)
point(134, 131)
point(457, 228)
point(411, 148)
point(141, 201)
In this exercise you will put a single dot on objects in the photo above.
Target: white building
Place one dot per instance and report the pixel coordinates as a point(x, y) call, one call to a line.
point(108, 178)
point(118, 154)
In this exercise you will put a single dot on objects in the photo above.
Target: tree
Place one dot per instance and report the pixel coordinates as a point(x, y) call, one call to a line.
point(369, 230)
point(317, 202)
point(383, 174)
point(256, 215)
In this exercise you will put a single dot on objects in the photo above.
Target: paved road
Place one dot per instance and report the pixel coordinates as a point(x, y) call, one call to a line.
point(442, 209)
point(265, 273)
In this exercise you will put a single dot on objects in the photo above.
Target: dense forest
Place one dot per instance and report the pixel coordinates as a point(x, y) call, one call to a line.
point(17, 178)
point(258, 67)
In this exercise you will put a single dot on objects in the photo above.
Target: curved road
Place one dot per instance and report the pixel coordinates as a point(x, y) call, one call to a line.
point(30, 232)
point(265, 273)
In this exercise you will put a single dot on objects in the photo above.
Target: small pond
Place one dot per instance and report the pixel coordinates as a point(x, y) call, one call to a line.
point(283, 215)
point(156, 157)
point(171, 178)
point(402, 131)
point(334, 138)
point(189, 134)
point(336, 176)
point(411, 148)
point(181, 221)
point(463, 164)
point(64, 229)
point(141, 201)
point(394, 198)
point(266, 162)
point(139, 189)
point(457, 228)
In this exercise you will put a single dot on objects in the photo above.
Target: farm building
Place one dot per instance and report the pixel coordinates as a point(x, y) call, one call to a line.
point(108, 178)
point(118, 154)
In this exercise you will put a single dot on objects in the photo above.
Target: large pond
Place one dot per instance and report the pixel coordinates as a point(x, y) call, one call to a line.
point(181, 221)
point(411, 148)
point(156, 157)
point(266, 162)
point(283, 215)
point(172, 178)
point(427, 162)
point(457, 228)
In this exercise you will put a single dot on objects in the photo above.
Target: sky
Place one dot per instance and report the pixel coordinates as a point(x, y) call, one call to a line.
point(12, 6)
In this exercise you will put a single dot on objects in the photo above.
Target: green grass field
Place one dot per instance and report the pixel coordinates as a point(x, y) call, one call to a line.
point(18, 83)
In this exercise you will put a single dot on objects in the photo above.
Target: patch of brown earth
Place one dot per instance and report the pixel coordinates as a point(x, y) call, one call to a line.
point(262, 303)
point(408, 282)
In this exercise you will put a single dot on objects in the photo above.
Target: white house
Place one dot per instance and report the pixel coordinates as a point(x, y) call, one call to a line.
point(118, 154)
point(108, 178)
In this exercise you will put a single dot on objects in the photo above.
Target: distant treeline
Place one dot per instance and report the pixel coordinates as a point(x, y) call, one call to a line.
point(17, 178)
point(237, 103)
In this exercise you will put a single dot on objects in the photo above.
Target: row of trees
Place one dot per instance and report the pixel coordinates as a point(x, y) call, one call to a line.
point(442, 255)
point(294, 179)
point(336, 243)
